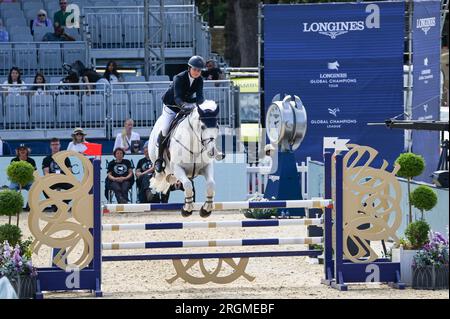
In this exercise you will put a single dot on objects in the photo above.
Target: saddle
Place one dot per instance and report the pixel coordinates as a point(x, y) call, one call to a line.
point(179, 117)
point(176, 121)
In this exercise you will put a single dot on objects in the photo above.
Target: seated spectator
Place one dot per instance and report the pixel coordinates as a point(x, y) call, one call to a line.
point(39, 89)
point(71, 78)
point(127, 138)
point(144, 172)
point(111, 73)
point(49, 166)
point(5, 149)
point(212, 72)
point(22, 154)
point(58, 36)
point(16, 84)
point(4, 35)
point(78, 138)
point(267, 160)
point(120, 175)
point(78, 73)
point(60, 16)
point(40, 21)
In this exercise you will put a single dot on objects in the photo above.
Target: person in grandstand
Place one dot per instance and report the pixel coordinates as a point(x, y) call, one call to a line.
point(78, 138)
point(61, 16)
point(127, 139)
point(120, 175)
point(58, 35)
point(41, 20)
point(39, 78)
point(4, 35)
point(49, 166)
point(22, 154)
point(111, 74)
point(14, 85)
point(144, 172)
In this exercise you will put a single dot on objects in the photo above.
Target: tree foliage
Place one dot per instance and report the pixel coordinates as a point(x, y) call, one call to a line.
point(240, 18)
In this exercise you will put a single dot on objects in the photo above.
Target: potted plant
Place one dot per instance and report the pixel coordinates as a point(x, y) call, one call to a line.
point(20, 173)
point(416, 237)
point(11, 203)
point(15, 254)
point(423, 198)
point(430, 266)
point(16, 265)
point(411, 165)
point(259, 213)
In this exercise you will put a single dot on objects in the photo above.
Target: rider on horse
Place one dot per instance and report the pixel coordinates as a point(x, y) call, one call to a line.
point(186, 89)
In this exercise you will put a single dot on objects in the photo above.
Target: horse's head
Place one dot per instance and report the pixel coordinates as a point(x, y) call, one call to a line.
point(209, 127)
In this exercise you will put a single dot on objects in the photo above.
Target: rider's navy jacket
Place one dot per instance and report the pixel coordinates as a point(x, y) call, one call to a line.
point(181, 91)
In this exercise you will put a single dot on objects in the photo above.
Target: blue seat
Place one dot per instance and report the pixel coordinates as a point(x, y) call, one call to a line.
point(42, 111)
point(36, 6)
point(17, 24)
point(110, 30)
point(68, 110)
point(133, 78)
point(6, 58)
point(93, 110)
point(133, 25)
point(25, 56)
point(142, 108)
point(158, 78)
point(73, 52)
point(10, 6)
point(16, 114)
point(39, 32)
point(119, 107)
point(49, 57)
point(74, 33)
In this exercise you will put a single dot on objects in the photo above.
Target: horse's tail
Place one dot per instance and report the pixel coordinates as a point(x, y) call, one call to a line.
point(159, 183)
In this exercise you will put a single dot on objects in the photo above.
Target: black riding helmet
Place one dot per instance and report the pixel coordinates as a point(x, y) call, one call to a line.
point(196, 62)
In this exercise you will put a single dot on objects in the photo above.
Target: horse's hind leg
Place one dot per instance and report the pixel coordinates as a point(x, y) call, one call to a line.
point(208, 206)
point(188, 207)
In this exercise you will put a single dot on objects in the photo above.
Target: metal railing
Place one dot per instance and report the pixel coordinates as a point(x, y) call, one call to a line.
point(144, 103)
point(100, 108)
point(122, 27)
point(46, 57)
point(258, 176)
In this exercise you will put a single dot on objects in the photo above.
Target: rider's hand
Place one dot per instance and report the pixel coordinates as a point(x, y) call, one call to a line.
point(187, 106)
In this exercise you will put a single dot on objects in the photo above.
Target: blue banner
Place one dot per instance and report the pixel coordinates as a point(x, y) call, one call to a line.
point(345, 61)
point(426, 81)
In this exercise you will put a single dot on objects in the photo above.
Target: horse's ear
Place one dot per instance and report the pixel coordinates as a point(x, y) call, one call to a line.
point(200, 112)
point(216, 111)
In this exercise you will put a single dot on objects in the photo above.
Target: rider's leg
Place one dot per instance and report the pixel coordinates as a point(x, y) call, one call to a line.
point(167, 116)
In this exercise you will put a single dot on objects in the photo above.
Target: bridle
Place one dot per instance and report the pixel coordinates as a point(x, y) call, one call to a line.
point(203, 142)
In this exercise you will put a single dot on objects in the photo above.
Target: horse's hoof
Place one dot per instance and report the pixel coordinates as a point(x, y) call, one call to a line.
point(204, 213)
point(185, 213)
point(220, 156)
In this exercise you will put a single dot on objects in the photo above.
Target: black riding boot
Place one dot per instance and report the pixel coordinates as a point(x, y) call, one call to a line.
point(159, 163)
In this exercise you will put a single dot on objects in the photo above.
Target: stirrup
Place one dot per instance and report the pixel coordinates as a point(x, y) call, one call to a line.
point(219, 156)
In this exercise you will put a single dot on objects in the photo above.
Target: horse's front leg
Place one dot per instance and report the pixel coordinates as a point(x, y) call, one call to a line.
point(188, 206)
point(208, 206)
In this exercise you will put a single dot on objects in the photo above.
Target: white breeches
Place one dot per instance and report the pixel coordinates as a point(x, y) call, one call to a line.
point(166, 117)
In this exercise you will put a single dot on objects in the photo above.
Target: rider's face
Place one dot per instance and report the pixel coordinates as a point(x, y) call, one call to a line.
point(195, 73)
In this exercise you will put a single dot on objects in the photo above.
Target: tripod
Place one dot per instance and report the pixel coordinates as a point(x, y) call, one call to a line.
point(444, 158)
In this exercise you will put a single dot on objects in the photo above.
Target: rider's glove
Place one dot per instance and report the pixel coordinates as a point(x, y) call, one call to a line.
point(187, 107)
